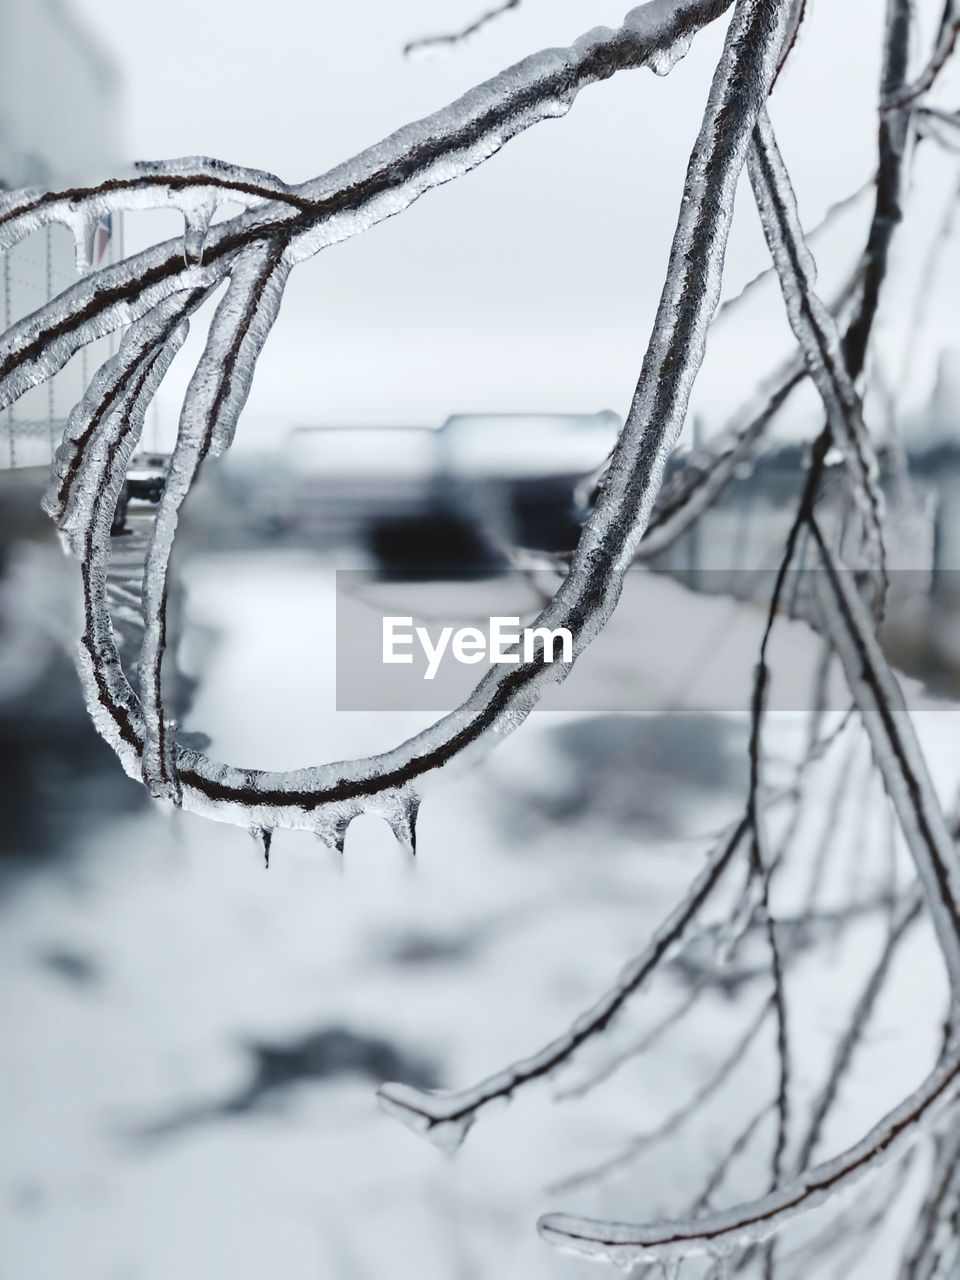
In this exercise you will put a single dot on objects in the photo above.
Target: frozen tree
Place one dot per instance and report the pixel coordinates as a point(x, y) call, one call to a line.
point(246, 261)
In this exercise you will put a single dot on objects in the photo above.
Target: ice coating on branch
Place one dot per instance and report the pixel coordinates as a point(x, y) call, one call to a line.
point(816, 330)
point(404, 1103)
point(106, 410)
point(609, 539)
point(402, 820)
point(377, 183)
point(903, 94)
point(879, 700)
point(38, 346)
point(212, 405)
point(664, 60)
point(83, 224)
point(153, 185)
point(456, 138)
point(445, 1118)
point(198, 208)
point(470, 130)
point(97, 485)
point(245, 184)
point(749, 1224)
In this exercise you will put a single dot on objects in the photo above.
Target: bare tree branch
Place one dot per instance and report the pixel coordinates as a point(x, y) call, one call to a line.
point(457, 37)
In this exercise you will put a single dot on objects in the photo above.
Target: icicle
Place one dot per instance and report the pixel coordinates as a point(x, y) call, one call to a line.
point(263, 836)
point(403, 823)
point(83, 225)
point(332, 833)
point(664, 60)
point(197, 213)
point(720, 1262)
point(405, 1104)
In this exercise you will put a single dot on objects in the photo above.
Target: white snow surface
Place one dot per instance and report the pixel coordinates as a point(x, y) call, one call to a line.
point(200, 950)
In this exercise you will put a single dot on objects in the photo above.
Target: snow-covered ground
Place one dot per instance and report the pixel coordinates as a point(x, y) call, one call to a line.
point(173, 1095)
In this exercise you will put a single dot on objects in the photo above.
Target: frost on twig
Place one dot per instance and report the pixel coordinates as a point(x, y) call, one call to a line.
point(446, 1118)
point(901, 96)
point(880, 703)
point(675, 1120)
point(816, 331)
point(449, 38)
point(749, 1224)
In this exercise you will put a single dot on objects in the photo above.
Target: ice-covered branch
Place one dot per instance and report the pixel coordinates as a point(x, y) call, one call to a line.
point(725, 1230)
point(194, 186)
point(906, 914)
point(815, 329)
point(880, 703)
point(376, 184)
point(933, 1245)
point(214, 399)
point(446, 1118)
point(448, 38)
point(324, 799)
point(901, 97)
point(708, 472)
point(675, 1120)
point(608, 544)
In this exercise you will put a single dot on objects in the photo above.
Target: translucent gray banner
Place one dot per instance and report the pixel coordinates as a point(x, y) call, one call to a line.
point(688, 642)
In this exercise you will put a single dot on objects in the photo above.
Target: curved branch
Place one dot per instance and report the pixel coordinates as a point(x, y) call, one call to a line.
point(458, 37)
point(446, 1118)
point(324, 799)
point(879, 701)
point(211, 408)
point(756, 1221)
point(376, 184)
point(946, 42)
point(816, 330)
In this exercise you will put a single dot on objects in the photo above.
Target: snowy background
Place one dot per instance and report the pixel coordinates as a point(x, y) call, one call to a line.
point(192, 1044)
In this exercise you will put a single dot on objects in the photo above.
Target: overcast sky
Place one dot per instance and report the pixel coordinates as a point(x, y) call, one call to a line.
point(530, 284)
